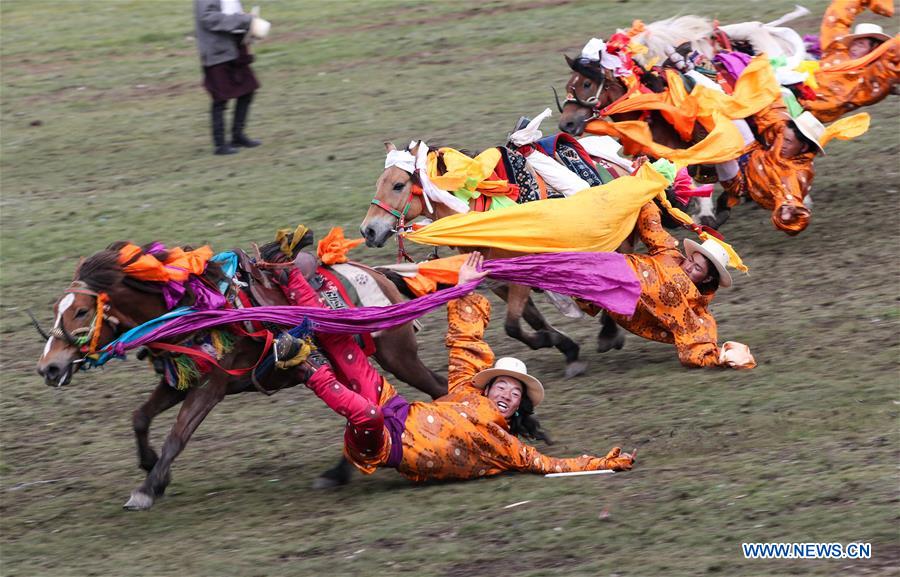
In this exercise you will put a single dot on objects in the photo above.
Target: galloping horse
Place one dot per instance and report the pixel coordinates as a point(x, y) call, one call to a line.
point(103, 302)
point(397, 201)
point(591, 88)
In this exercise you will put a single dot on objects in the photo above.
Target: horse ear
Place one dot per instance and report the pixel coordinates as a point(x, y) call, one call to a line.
point(389, 146)
point(78, 269)
point(570, 62)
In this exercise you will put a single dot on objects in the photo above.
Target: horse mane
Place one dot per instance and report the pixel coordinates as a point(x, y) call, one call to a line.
point(671, 33)
point(102, 271)
point(438, 145)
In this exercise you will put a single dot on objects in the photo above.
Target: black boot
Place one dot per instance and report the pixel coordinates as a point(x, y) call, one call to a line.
point(238, 138)
point(218, 128)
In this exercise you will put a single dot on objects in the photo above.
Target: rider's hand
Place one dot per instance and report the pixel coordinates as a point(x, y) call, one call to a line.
point(470, 270)
point(619, 461)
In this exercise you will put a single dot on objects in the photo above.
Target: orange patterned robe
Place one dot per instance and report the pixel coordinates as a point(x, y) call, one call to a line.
point(462, 435)
point(842, 91)
point(771, 180)
point(671, 308)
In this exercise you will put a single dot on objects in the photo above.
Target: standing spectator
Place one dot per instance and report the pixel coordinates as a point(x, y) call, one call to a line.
point(223, 31)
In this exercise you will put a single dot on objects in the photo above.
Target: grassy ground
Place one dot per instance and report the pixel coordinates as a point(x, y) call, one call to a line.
point(105, 137)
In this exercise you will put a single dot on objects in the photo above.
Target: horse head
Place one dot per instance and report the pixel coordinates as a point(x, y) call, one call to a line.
point(396, 200)
point(590, 89)
point(76, 326)
point(93, 311)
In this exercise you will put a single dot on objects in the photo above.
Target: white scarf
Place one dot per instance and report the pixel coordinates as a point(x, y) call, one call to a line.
point(232, 7)
point(401, 159)
point(532, 132)
point(595, 49)
point(404, 160)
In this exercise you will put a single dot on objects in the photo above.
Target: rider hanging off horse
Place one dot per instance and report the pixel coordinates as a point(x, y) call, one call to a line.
point(118, 293)
point(646, 106)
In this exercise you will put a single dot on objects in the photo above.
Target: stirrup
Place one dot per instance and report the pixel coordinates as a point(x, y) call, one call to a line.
point(290, 351)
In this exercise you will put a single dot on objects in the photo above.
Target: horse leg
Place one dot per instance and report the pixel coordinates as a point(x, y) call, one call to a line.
point(198, 402)
point(706, 215)
point(568, 347)
point(397, 353)
point(161, 399)
point(611, 336)
point(516, 299)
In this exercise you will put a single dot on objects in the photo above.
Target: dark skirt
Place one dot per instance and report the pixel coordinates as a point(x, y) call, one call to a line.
point(231, 79)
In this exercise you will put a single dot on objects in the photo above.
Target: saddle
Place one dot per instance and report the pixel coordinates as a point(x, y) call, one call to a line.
point(263, 286)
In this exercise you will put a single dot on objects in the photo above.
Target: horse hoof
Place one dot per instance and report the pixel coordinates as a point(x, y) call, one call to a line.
point(334, 477)
point(138, 502)
point(606, 344)
point(324, 482)
point(721, 218)
point(709, 221)
point(576, 368)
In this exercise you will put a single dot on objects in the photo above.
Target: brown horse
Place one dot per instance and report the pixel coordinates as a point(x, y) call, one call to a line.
point(591, 88)
point(395, 203)
point(102, 303)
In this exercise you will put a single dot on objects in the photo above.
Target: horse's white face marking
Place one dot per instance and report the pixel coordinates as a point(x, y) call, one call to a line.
point(64, 305)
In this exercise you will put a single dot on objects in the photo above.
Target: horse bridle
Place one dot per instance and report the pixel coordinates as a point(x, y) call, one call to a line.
point(399, 215)
point(86, 338)
point(401, 218)
point(593, 102)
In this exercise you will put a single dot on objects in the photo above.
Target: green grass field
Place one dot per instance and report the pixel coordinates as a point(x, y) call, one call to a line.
point(105, 136)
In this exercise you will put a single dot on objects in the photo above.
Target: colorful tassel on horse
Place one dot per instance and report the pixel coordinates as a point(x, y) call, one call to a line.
point(186, 372)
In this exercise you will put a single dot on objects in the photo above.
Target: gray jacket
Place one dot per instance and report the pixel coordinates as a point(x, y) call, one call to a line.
point(216, 32)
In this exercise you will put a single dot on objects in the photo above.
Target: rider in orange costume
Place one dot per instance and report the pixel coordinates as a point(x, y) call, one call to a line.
point(673, 308)
point(844, 87)
point(776, 170)
point(462, 435)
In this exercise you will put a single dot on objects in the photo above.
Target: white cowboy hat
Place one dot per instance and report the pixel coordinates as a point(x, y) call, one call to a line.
point(867, 30)
point(811, 128)
point(715, 253)
point(512, 367)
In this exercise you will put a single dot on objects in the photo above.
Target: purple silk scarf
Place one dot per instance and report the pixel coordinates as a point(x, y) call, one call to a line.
point(602, 278)
point(734, 62)
point(395, 412)
point(813, 47)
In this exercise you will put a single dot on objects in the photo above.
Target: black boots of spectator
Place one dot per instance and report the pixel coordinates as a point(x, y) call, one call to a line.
point(238, 138)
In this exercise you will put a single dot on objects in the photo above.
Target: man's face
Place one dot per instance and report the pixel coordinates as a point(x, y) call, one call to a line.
point(860, 47)
point(696, 266)
point(506, 392)
point(792, 144)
